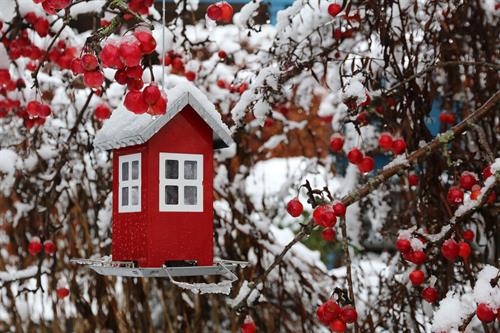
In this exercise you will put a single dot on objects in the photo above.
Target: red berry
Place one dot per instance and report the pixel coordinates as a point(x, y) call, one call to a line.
point(214, 12)
point(226, 12)
point(491, 198)
point(385, 141)
point(135, 103)
point(248, 325)
point(4, 75)
point(121, 76)
point(191, 76)
point(403, 245)
point(50, 247)
point(332, 307)
point(475, 194)
point(93, 79)
point(35, 246)
point(398, 146)
point(130, 53)
point(89, 62)
point(33, 108)
point(62, 292)
point(336, 142)
point(339, 209)
point(159, 108)
point(31, 18)
point(325, 316)
point(338, 326)
point(430, 294)
point(455, 196)
point(147, 41)
point(102, 111)
point(77, 66)
point(334, 9)
point(134, 72)
point(450, 249)
point(464, 250)
point(418, 257)
point(134, 84)
point(367, 164)
point(487, 172)
point(294, 207)
point(349, 314)
point(110, 56)
point(41, 26)
point(221, 84)
point(323, 215)
point(355, 156)
point(178, 64)
point(328, 234)
point(468, 235)
point(485, 313)
point(413, 180)
point(417, 277)
point(44, 111)
point(151, 94)
point(467, 180)
point(222, 54)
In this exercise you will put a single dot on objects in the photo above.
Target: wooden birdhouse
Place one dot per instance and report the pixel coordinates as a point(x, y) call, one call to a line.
point(163, 183)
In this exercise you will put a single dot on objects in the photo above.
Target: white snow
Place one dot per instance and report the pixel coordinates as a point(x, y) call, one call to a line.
point(452, 311)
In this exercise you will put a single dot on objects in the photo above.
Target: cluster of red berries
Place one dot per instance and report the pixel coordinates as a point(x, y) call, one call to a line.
point(220, 11)
point(355, 156)
point(88, 65)
point(233, 88)
point(175, 60)
point(387, 143)
point(7, 106)
point(60, 54)
point(450, 249)
point(446, 117)
point(335, 317)
point(39, 24)
point(7, 83)
point(469, 182)
point(486, 314)
point(404, 245)
point(51, 7)
point(248, 325)
point(150, 100)
point(21, 46)
point(138, 6)
point(35, 246)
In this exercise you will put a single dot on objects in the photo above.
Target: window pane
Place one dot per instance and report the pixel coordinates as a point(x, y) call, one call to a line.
point(134, 196)
point(171, 195)
point(171, 169)
point(190, 169)
point(124, 196)
point(190, 195)
point(135, 169)
point(125, 171)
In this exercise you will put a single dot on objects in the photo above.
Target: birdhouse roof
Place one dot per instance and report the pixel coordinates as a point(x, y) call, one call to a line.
point(125, 128)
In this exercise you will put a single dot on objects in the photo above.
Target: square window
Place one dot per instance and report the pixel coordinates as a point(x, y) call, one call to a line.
point(190, 195)
point(134, 195)
point(190, 169)
point(171, 169)
point(171, 195)
point(124, 196)
point(135, 169)
point(125, 171)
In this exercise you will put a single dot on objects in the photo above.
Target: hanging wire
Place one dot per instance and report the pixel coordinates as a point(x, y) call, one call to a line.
point(163, 46)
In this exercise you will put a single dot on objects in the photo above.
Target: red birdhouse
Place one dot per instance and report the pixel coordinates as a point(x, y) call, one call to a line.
point(163, 182)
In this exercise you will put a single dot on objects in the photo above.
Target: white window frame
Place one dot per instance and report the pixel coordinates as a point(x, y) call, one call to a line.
point(181, 182)
point(129, 183)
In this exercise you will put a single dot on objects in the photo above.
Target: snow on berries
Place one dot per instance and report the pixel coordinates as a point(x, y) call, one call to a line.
point(294, 207)
point(485, 313)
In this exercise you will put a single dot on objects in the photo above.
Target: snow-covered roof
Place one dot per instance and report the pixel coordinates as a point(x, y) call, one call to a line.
point(125, 128)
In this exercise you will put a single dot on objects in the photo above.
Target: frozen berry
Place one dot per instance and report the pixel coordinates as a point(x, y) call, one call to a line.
point(62, 292)
point(455, 196)
point(398, 146)
point(339, 209)
point(248, 325)
point(468, 235)
point(294, 207)
point(35, 246)
point(324, 215)
point(349, 314)
point(135, 103)
point(367, 164)
point(464, 250)
point(214, 12)
point(102, 111)
point(413, 180)
point(89, 62)
point(190, 75)
point(328, 234)
point(338, 326)
point(226, 12)
point(467, 180)
point(93, 79)
point(130, 53)
point(147, 41)
point(50, 247)
point(403, 245)
point(385, 141)
point(151, 94)
point(159, 108)
point(450, 249)
point(77, 66)
point(485, 313)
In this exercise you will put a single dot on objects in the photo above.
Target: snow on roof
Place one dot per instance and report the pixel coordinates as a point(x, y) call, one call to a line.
point(125, 128)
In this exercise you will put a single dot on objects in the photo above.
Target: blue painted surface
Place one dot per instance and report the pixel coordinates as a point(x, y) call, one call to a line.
point(273, 6)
